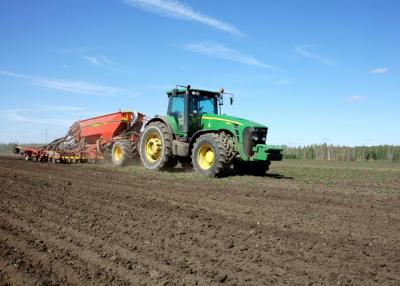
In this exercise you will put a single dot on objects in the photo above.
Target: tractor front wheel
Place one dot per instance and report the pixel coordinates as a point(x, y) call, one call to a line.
point(210, 155)
point(121, 152)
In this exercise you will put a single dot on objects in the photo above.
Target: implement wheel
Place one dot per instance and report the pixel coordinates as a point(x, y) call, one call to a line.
point(210, 155)
point(156, 147)
point(121, 152)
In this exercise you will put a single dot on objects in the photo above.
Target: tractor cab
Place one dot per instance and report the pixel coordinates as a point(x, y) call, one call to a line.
point(187, 106)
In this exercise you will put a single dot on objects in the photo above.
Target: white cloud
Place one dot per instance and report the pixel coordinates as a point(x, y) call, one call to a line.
point(92, 60)
point(380, 70)
point(14, 115)
point(58, 108)
point(175, 9)
point(79, 87)
point(13, 74)
point(355, 97)
point(304, 51)
point(96, 60)
point(285, 81)
point(71, 86)
point(219, 51)
point(99, 60)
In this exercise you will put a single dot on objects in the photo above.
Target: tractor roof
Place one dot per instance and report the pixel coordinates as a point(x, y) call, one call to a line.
point(195, 90)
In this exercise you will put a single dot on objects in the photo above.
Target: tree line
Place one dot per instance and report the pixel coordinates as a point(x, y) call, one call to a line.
point(311, 152)
point(343, 153)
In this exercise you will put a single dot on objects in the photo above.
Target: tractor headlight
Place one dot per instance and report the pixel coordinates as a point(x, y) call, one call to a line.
point(254, 137)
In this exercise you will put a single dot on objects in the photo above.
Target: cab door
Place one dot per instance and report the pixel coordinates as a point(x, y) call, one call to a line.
point(176, 109)
point(199, 106)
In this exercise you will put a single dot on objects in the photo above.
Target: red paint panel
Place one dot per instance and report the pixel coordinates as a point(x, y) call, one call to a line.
point(104, 127)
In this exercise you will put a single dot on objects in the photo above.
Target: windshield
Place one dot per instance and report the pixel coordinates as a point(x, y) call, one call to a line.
point(204, 105)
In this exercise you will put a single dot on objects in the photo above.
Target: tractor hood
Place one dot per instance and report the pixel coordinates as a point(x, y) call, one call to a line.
point(215, 119)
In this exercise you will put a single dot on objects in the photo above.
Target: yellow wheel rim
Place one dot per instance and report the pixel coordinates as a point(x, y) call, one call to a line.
point(153, 147)
point(117, 153)
point(205, 157)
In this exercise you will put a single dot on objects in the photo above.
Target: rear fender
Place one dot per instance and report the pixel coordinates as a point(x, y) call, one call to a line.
point(160, 119)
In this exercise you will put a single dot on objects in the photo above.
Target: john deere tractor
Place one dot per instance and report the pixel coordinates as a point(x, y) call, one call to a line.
point(195, 130)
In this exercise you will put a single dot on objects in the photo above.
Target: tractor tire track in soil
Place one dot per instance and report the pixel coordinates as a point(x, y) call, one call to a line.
point(88, 224)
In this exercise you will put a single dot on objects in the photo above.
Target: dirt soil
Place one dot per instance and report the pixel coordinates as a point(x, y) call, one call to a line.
point(87, 224)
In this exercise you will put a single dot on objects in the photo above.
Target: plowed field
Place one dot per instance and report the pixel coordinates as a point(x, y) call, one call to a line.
point(99, 225)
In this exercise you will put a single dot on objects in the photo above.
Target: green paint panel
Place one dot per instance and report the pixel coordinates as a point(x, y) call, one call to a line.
point(235, 126)
point(214, 121)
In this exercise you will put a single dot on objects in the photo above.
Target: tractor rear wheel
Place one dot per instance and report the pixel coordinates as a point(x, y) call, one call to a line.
point(210, 155)
point(121, 152)
point(156, 147)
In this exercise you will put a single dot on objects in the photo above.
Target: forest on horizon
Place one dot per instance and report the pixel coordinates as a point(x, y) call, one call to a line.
point(343, 153)
point(309, 152)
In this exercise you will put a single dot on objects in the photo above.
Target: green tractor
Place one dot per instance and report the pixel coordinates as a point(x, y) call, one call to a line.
point(195, 131)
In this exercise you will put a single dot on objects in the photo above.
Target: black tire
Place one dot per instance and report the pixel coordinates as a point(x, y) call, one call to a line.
point(229, 145)
point(155, 147)
point(121, 153)
point(256, 168)
point(218, 163)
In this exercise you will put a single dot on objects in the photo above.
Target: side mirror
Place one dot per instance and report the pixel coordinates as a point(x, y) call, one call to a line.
point(231, 100)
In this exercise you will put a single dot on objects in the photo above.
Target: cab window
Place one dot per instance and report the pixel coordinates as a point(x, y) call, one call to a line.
point(177, 106)
point(204, 105)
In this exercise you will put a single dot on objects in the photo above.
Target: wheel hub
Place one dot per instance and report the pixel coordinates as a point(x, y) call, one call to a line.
point(117, 153)
point(153, 147)
point(205, 157)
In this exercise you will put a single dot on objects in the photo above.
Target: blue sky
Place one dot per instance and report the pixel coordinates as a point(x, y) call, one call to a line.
point(313, 71)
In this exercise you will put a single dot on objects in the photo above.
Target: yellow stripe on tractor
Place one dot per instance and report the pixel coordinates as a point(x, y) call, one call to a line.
point(223, 119)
